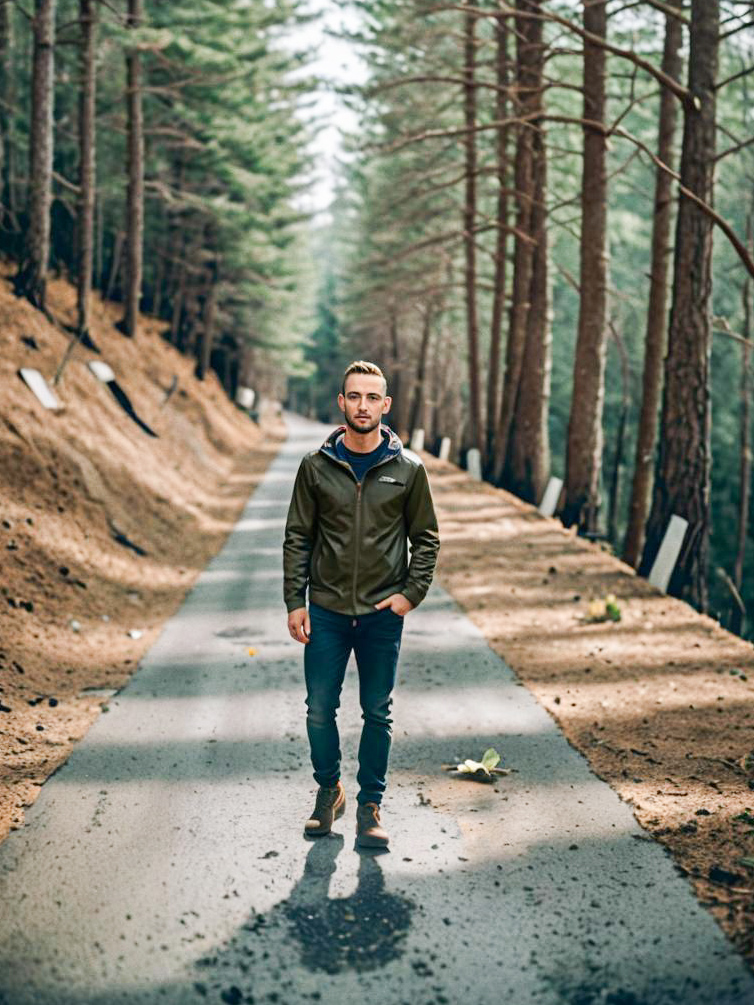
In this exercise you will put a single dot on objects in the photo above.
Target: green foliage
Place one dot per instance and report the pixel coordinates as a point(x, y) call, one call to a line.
point(225, 86)
point(404, 238)
point(226, 150)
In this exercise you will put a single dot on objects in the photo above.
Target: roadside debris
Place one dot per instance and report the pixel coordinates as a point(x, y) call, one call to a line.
point(602, 609)
point(485, 770)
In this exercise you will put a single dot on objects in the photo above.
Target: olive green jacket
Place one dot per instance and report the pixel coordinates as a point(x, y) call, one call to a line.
point(346, 540)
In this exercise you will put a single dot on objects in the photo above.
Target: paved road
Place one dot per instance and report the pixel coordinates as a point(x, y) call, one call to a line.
point(165, 861)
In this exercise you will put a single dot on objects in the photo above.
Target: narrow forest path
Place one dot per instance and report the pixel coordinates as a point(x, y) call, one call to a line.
point(165, 861)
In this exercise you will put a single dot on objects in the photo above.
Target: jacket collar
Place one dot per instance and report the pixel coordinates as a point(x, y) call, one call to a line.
point(394, 445)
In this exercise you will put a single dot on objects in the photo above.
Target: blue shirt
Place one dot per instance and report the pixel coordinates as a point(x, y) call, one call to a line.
point(361, 463)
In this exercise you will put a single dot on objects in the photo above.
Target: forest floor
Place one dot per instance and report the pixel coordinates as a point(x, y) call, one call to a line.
point(660, 702)
point(80, 491)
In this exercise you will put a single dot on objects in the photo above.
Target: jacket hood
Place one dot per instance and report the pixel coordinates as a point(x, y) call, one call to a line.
point(394, 448)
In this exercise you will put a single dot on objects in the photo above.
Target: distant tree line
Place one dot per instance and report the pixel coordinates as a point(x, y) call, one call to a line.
point(153, 151)
point(525, 237)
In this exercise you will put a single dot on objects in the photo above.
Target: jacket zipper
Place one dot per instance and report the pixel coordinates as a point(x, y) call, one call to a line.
point(357, 514)
point(358, 541)
point(358, 524)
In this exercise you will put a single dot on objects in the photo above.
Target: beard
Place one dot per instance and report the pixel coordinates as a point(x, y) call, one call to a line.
point(361, 429)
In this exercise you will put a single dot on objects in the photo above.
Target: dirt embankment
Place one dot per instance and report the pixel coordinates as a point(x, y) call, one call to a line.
point(103, 528)
point(660, 702)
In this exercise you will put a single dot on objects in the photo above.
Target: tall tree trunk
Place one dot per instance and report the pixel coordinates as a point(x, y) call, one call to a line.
point(99, 230)
point(135, 198)
point(7, 107)
point(745, 435)
point(174, 231)
point(476, 438)
point(87, 182)
point(179, 294)
point(31, 279)
point(161, 269)
point(655, 338)
point(584, 447)
point(416, 416)
point(192, 322)
point(501, 241)
point(6, 43)
point(446, 394)
point(186, 303)
point(528, 465)
point(614, 494)
point(682, 484)
point(208, 322)
point(527, 95)
point(115, 265)
point(396, 377)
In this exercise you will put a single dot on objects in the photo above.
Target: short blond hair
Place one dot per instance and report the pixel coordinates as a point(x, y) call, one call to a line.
point(362, 366)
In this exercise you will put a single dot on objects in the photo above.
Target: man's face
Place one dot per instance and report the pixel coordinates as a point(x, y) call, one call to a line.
point(364, 402)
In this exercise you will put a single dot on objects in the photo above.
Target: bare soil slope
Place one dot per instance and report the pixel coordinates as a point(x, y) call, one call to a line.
point(103, 528)
point(660, 702)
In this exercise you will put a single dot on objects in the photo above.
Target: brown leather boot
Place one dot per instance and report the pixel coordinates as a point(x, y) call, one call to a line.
point(369, 832)
point(329, 805)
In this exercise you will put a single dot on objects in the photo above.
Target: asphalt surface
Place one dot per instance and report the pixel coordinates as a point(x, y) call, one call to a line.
point(165, 862)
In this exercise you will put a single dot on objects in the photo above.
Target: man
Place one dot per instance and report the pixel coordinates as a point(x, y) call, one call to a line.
point(355, 501)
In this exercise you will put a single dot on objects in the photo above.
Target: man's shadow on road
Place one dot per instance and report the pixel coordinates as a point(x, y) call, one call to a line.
point(362, 932)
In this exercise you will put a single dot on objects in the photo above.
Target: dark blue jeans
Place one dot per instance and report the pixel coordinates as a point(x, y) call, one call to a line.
point(376, 641)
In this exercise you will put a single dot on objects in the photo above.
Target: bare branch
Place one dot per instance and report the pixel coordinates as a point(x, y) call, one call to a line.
point(569, 278)
point(736, 76)
point(388, 85)
point(61, 180)
point(119, 15)
point(735, 31)
point(669, 11)
point(629, 107)
point(432, 134)
point(26, 14)
point(733, 150)
point(678, 89)
point(732, 335)
point(723, 224)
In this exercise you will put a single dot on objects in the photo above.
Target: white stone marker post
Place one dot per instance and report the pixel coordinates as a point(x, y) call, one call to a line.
point(667, 556)
point(474, 464)
point(551, 496)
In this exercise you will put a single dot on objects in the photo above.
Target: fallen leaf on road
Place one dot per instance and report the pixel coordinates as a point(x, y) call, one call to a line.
point(479, 771)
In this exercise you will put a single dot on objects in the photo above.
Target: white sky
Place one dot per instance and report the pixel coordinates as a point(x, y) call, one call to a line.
point(337, 62)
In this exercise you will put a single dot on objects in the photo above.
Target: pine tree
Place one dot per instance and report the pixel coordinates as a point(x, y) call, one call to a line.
point(31, 279)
